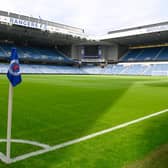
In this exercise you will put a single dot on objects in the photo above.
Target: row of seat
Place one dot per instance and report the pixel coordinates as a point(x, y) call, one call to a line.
point(146, 54)
point(119, 69)
point(35, 54)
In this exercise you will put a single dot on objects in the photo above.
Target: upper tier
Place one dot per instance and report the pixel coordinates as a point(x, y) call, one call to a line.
point(146, 54)
point(33, 54)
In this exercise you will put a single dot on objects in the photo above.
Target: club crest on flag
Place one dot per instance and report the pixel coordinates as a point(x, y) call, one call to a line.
point(14, 68)
point(14, 74)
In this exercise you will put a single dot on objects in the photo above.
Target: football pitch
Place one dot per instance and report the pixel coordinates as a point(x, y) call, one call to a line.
point(54, 109)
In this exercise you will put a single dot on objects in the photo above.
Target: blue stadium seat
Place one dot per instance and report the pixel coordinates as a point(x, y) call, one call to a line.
point(118, 69)
point(131, 55)
point(163, 55)
point(146, 54)
point(35, 54)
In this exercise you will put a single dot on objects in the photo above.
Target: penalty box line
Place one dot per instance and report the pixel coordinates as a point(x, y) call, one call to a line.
point(90, 136)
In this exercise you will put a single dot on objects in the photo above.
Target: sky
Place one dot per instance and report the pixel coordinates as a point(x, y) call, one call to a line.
point(97, 17)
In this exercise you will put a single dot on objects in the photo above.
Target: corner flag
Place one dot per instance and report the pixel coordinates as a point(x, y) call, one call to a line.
point(14, 74)
point(14, 77)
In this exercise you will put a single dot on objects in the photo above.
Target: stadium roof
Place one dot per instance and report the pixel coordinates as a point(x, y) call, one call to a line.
point(17, 27)
point(38, 23)
point(36, 30)
point(142, 35)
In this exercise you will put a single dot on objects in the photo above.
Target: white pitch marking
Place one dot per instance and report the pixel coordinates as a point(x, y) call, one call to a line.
point(27, 142)
point(3, 158)
point(59, 146)
point(6, 160)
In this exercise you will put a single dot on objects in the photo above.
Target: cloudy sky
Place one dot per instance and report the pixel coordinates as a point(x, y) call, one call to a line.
point(95, 16)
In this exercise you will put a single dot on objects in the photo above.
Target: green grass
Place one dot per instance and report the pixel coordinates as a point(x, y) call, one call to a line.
point(55, 109)
point(155, 159)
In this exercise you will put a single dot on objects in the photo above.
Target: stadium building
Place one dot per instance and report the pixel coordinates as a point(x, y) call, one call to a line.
point(86, 121)
point(48, 47)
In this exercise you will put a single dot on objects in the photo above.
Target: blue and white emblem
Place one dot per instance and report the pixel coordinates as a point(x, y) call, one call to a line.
point(14, 68)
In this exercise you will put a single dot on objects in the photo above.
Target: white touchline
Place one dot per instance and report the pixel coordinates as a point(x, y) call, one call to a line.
point(62, 145)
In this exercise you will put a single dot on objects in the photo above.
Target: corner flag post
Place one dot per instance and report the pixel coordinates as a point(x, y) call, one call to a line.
point(14, 77)
point(9, 124)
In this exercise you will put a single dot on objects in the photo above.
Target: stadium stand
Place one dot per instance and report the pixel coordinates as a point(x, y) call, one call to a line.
point(35, 54)
point(43, 69)
point(128, 67)
point(159, 69)
point(146, 54)
point(145, 48)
